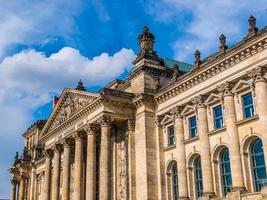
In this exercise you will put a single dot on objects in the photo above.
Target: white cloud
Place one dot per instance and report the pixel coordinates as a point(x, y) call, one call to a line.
point(28, 80)
point(202, 22)
point(29, 22)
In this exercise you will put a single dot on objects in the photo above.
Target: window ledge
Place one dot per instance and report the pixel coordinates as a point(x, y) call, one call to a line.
point(247, 119)
point(169, 147)
point(191, 140)
point(217, 130)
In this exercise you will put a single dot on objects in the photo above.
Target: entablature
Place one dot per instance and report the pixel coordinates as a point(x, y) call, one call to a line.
point(210, 68)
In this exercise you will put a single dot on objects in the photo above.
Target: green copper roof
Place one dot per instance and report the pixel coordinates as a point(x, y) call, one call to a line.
point(182, 66)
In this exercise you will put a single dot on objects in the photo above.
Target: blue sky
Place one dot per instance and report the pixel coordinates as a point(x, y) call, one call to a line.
point(51, 44)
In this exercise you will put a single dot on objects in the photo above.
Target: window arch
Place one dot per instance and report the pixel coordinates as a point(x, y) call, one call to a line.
point(258, 164)
point(198, 177)
point(174, 177)
point(225, 168)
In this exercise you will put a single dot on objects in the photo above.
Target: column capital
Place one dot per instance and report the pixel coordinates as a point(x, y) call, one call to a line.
point(90, 129)
point(105, 120)
point(198, 101)
point(49, 153)
point(14, 181)
point(130, 124)
point(80, 135)
point(225, 89)
point(257, 74)
point(176, 112)
point(68, 142)
point(157, 120)
point(23, 177)
point(58, 148)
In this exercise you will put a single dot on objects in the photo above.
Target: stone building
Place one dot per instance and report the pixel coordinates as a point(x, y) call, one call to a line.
point(169, 131)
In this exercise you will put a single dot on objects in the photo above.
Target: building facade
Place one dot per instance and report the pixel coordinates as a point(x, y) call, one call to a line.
point(168, 131)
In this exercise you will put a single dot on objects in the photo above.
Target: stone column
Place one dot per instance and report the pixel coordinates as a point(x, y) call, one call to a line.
point(47, 179)
point(259, 79)
point(13, 189)
point(202, 124)
point(180, 152)
point(22, 187)
point(233, 138)
point(90, 162)
point(78, 163)
point(33, 182)
point(66, 169)
point(104, 176)
point(56, 171)
point(160, 159)
point(131, 159)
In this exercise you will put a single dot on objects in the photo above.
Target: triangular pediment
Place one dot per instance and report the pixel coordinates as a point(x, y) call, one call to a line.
point(212, 98)
point(70, 102)
point(167, 119)
point(241, 84)
point(188, 109)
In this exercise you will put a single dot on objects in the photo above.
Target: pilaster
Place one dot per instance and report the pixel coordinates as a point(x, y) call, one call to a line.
point(202, 124)
point(233, 137)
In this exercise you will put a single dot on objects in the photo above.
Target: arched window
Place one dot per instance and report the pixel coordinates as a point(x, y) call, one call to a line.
point(198, 177)
point(175, 191)
point(258, 164)
point(225, 171)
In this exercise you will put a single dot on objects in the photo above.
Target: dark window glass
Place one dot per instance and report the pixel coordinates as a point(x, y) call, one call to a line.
point(218, 116)
point(248, 105)
point(175, 190)
point(225, 171)
point(171, 137)
point(258, 165)
point(193, 126)
point(198, 177)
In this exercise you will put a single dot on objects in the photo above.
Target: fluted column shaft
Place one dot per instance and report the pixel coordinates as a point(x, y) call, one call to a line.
point(78, 170)
point(258, 74)
point(104, 179)
point(47, 178)
point(205, 149)
point(22, 187)
point(33, 183)
point(180, 153)
point(13, 190)
point(233, 139)
point(56, 171)
point(66, 169)
point(90, 163)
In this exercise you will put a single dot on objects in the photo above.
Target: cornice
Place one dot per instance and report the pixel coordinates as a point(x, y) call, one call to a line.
point(139, 70)
point(214, 66)
point(143, 99)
